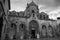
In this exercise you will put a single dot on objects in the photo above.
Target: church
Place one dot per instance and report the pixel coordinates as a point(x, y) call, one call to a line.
point(30, 24)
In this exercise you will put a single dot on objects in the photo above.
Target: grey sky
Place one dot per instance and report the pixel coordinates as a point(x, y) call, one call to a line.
point(51, 3)
point(51, 7)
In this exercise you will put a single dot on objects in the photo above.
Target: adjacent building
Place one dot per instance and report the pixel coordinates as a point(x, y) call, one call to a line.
point(4, 8)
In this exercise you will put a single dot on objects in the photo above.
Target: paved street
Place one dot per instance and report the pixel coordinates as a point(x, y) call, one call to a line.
point(46, 39)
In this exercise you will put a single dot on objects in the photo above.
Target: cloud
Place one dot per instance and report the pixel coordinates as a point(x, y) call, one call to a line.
point(51, 7)
point(18, 4)
point(46, 8)
point(55, 13)
point(57, 1)
point(50, 3)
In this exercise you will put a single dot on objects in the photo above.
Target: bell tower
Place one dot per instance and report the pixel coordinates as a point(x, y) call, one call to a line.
point(32, 8)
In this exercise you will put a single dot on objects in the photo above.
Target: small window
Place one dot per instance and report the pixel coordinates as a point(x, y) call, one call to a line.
point(40, 16)
point(43, 27)
point(33, 14)
point(44, 17)
point(13, 25)
point(32, 11)
point(49, 26)
point(22, 25)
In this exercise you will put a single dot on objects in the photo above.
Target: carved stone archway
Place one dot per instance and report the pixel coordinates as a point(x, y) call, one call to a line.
point(33, 28)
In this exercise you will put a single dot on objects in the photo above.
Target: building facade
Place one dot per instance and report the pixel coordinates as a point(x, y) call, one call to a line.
point(4, 8)
point(30, 24)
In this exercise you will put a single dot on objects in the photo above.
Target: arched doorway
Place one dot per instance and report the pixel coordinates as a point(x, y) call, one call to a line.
point(33, 28)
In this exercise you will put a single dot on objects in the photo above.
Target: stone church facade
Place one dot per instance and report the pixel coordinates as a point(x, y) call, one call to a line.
point(30, 23)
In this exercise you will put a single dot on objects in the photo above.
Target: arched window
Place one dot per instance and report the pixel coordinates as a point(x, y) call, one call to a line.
point(43, 26)
point(40, 16)
point(13, 25)
point(49, 26)
point(47, 17)
point(22, 26)
point(44, 17)
point(33, 11)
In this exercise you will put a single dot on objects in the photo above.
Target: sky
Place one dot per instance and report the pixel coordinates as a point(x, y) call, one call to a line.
point(51, 7)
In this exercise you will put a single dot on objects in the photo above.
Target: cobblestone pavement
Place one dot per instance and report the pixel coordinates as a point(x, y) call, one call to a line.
point(45, 39)
point(49, 39)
